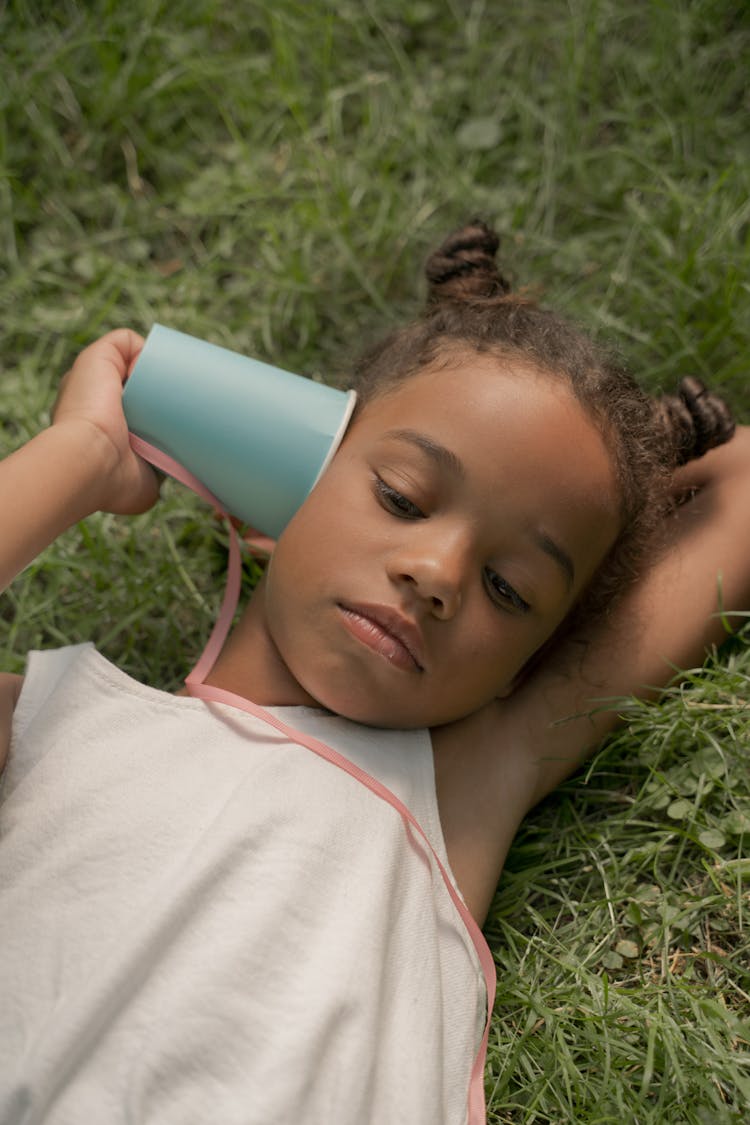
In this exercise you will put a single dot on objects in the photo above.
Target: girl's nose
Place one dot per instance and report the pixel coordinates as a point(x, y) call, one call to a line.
point(434, 572)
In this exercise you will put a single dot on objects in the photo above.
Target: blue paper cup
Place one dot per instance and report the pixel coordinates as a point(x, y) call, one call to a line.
point(256, 436)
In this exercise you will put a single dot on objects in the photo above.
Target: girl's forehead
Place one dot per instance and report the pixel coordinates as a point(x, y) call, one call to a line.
point(481, 394)
point(457, 373)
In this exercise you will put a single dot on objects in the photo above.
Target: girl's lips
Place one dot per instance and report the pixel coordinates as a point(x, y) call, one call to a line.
point(387, 632)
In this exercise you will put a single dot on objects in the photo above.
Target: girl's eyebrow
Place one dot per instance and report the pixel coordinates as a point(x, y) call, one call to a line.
point(446, 459)
point(442, 456)
point(556, 552)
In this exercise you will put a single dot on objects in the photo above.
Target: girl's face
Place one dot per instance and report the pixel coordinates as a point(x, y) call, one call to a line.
point(457, 525)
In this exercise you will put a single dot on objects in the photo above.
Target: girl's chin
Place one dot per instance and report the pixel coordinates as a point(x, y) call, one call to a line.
point(369, 713)
point(366, 711)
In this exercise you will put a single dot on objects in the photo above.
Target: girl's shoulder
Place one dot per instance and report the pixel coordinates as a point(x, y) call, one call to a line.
point(10, 689)
point(10, 685)
point(484, 778)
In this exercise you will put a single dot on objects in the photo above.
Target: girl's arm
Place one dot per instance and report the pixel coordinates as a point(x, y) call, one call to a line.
point(80, 464)
point(493, 767)
point(667, 621)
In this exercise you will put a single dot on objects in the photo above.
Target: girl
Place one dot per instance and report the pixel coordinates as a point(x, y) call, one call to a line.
point(225, 910)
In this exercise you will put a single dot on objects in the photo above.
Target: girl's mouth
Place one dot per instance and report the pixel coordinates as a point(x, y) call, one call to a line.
point(387, 632)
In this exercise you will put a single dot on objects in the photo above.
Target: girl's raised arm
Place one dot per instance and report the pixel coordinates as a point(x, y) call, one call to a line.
point(80, 464)
point(667, 621)
point(492, 768)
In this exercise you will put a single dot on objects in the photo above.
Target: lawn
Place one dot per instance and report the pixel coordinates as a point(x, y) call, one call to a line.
point(271, 176)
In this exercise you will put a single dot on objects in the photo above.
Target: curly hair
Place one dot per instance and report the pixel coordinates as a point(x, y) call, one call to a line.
point(470, 307)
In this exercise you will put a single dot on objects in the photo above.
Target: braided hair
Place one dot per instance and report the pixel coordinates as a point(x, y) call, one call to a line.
point(470, 308)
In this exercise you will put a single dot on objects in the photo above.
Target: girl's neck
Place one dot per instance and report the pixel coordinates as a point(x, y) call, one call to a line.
point(250, 664)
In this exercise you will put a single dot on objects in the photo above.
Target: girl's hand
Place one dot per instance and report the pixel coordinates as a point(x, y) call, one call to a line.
point(80, 464)
point(90, 399)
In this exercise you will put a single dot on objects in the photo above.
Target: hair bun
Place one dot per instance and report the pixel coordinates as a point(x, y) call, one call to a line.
point(463, 268)
point(695, 420)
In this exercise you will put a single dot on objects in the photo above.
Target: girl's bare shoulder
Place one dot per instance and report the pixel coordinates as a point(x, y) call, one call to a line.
point(484, 787)
point(10, 689)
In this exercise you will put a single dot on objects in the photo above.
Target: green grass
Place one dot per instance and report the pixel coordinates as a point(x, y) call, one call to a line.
point(271, 176)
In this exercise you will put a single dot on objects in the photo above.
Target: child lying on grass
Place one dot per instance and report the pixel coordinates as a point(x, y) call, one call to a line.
point(242, 906)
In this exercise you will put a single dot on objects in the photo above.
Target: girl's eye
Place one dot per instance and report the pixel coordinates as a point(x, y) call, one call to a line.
point(504, 594)
point(395, 502)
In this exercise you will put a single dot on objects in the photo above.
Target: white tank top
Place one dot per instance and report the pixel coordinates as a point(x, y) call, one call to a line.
point(202, 921)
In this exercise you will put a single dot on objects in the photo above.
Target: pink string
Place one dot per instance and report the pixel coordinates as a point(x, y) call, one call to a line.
point(210, 694)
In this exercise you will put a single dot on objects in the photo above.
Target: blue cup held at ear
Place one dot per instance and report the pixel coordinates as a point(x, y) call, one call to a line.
point(255, 436)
